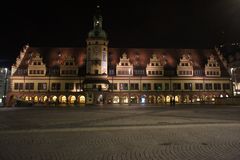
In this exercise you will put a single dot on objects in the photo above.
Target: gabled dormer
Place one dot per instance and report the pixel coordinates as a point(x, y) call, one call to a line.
point(212, 68)
point(68, 67)
point(36, 67)
point(124, 67)
point(155, 67)
point(185, 66)
point(19, 59)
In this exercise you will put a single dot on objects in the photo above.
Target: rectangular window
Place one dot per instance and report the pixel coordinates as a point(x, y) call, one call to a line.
point(69, 86)
point(199, 86)
point(208, 86)
point(42, 86)
point(217, 86)
point(29, 86)
point(134, 86)
point(176, 86)
point(18, 86)
point(56, 86)
point(147, 86)
point(111, 72)
point(167, 86)
point(226, 86)
point(157, 86)
point(113, 86)
point(123, 86)
point(79, 87)
point(188, 86)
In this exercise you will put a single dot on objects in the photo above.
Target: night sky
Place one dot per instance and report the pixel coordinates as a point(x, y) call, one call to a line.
point(129, 24)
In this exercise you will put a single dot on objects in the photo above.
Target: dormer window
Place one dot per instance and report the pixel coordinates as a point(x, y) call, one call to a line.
point(36, 66)
point(69, 68)
point(154, 68)
point(212, 68)
point(124, 68)
point(185, 67)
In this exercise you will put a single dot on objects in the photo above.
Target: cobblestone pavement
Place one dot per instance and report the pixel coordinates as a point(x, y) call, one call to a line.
point(186, 132)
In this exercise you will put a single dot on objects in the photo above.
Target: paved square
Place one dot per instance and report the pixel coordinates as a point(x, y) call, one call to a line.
point(120, 133)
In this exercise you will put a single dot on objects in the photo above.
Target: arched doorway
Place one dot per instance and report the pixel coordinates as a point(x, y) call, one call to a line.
point(187, 99)
point(133, 99)
point(71, 99)
point(168, 98)
point(124, 99)
point(54, 99)
point(63, 99)
point(152, 99)
point(160, 99)
point(43, 99)
point(28, 98)
point(81, 99)
point(116, 99)
point(177, 98)
point(36, 99)
point(143, 99)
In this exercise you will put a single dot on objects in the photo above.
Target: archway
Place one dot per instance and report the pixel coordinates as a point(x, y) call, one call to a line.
point(54, 99)
point(133, 99)
point(152, 99)
point(143, 99)
point(63, 99)
point(186, 99)
point(124, 99)
point(36, 99)
point(160, 99)
point(71, 99)
point(116, 99)
point(43, 99)
point(81, 99)
point(28, 98)
point(177, 99)
point(168, 98)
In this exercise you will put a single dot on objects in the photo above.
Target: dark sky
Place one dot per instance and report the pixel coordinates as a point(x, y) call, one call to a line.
point(133, 24)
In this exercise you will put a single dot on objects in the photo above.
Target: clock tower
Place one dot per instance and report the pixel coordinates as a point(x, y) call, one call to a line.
point(96, 83)
point(97, 48)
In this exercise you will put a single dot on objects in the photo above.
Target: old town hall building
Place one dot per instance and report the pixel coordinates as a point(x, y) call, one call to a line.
point(99, 74)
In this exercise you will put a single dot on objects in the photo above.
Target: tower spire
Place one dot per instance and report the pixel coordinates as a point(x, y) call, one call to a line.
point(98, 17)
